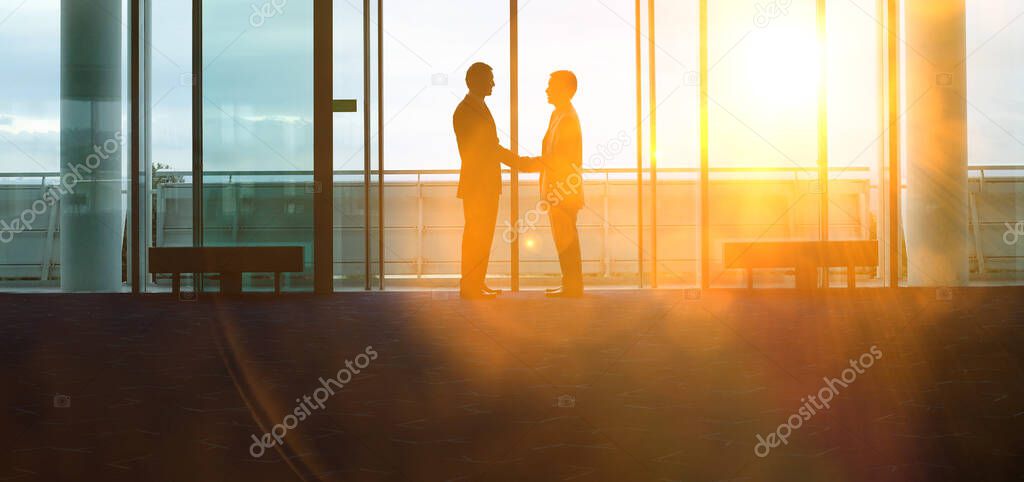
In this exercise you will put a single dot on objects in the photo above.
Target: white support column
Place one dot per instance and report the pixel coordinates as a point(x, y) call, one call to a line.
point(936, 91)
point(91, 146)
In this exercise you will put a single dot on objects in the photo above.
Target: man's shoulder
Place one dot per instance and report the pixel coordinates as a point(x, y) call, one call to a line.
point(573, 119)
point(469, 104)
point(573, 114)
point(465, 108)
point(461, 111)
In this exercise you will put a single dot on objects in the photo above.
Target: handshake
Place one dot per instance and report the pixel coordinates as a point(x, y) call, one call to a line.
point(524, 163)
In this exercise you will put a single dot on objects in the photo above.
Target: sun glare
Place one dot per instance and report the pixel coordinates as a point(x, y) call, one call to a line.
point(767, 88)
point(782, 68)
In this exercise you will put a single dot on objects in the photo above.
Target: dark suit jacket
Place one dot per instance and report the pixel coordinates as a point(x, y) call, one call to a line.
point(561, 161)
point(481, 153)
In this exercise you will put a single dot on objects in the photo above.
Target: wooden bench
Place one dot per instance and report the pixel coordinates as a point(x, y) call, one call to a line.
point(229, 262)
point(805, 256)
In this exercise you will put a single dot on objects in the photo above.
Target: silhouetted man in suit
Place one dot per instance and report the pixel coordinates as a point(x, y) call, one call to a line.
point(561, 180)
point(479, 179)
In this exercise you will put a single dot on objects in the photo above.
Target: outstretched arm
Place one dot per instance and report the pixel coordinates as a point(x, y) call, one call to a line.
point(523, 163)
point(505, 156)
point(531, 164)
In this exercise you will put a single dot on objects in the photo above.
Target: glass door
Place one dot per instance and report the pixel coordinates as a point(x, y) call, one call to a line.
point(353, 231)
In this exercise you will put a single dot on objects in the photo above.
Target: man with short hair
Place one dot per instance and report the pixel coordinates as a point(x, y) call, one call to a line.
point(561, 180)
point(479, 179)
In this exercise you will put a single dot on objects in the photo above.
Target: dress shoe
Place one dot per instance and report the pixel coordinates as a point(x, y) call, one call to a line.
point(564, 293)
point(477, 295)
point(488, 290)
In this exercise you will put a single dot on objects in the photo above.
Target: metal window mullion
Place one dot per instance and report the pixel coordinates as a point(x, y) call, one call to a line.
point(652, 79)
point(823, 206)
point(134, 116)
point(895, 183)
point(705, 213)
point(514, 137)
point(146, 212)
point(197, 131)
point(380, 143)
point(639, 147)
point(885, 232)
point(367, 155)
point(323, 148)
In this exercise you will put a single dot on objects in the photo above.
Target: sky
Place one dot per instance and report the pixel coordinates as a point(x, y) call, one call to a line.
point(258, 81)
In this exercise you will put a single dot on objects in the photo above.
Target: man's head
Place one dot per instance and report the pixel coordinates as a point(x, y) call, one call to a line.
point(561, 87)
point(480, 79)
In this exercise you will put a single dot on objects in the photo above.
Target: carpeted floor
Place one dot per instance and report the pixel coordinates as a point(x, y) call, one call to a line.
point(618, 386)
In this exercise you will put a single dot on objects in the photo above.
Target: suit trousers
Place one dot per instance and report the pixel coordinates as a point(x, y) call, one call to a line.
point(567, 241)
point(481, 216)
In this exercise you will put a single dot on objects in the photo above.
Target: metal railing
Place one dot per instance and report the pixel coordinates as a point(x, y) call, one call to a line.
point(980, 177)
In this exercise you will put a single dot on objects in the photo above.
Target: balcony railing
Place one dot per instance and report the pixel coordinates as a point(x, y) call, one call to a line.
point(423, 219)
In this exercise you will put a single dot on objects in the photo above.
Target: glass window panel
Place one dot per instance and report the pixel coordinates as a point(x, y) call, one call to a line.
point(29, 142)
point(995, 135)
point(170, 108)
point(677, 61)
point(35, 200)
point(763, 71)
point(856, 136)
point(426, 55)
point(596, 42)
point(258, 130)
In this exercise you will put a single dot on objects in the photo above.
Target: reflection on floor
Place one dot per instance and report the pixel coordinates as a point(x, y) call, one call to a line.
point(618, 386)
